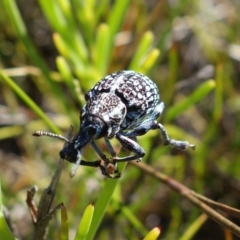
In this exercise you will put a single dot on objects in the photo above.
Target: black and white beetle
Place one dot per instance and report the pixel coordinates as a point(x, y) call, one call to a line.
point(123, 105)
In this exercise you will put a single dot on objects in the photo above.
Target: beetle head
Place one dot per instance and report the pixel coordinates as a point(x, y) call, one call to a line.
point(105, 112)
point(89, 130)
point(100, 117)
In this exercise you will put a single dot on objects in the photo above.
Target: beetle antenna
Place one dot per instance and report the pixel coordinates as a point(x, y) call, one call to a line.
point(49, 134)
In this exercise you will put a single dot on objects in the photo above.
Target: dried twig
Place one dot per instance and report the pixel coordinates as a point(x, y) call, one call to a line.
point(31, 205)
point(193, 197)
point(225, 208)
point(44, 214)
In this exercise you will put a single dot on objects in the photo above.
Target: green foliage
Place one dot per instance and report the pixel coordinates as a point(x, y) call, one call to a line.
point(5, 232)
point(86, 221)
point(92, 39)
point(153, 234)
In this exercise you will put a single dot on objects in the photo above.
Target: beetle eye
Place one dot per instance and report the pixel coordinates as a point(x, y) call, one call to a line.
point(91, 131)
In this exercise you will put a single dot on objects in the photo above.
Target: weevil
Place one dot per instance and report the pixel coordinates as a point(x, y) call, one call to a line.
point(122, 105)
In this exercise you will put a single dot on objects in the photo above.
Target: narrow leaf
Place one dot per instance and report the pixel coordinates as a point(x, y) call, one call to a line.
point(142, 51)
point(64, 223)
point(192, 99)
point(28, 101)
point(102, 49)
point(5, 231)
point(153, 234)
point(85, 223)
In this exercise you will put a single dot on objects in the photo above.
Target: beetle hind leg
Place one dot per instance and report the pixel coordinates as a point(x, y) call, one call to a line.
point(149, 124)
point(182, 145)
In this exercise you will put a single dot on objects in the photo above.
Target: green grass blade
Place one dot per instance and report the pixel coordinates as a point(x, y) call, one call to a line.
point(102, 50)
point(194, 227)
point(153, 234)
point(66, 28)
point(142, 51)
point(102, 203)
point(14, 15)
point(18, 24)
point(28, 101)
point(54, 15)
point(86, 15)
point(5, 231)
point(64, 223)
point(149, 61)
point(85, 223)
point(134, 220)
point(66, 9)
point(116, 16)
point(192, 99)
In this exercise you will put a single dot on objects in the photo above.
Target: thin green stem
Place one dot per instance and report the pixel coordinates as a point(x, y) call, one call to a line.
point(28, 101)
point(102, 203)
point(18, 24)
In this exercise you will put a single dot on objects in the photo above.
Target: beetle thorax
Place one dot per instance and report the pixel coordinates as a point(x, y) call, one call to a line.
point(109, 108)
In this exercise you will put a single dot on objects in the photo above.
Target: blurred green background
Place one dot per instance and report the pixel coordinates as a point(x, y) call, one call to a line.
point(52, 52)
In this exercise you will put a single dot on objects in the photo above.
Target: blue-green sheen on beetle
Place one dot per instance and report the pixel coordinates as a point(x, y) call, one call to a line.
point(122, 105)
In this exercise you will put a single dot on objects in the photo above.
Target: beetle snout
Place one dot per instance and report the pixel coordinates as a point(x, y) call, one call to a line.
point(69, 153)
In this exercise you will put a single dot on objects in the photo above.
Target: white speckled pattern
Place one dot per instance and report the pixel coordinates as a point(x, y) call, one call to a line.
point(137, 92)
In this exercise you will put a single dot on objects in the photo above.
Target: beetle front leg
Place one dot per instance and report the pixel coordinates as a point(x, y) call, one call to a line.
point(98, 151)
point(131, 146)
point(107, 166)
point(110, 147)
point(109, 169)
point(96, 163)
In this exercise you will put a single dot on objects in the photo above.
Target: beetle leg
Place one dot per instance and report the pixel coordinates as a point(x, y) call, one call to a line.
point(110, 148)
point(130, 145)
point(99, 152)
point(183, 145)
point(96, 163)
point(110, 170)
point(147, 125)
point(107, 166)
